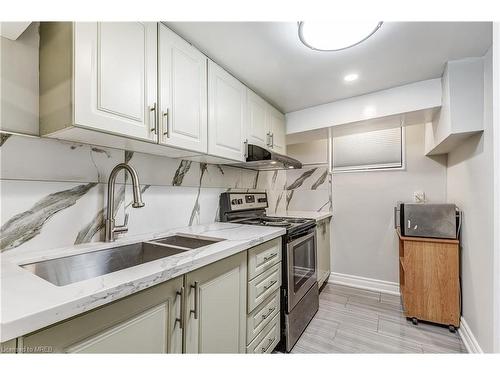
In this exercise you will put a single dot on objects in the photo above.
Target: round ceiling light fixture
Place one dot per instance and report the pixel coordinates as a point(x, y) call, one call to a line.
point(335, 36)
point(351, 77)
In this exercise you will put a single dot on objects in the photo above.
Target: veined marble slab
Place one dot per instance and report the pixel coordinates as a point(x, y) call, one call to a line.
point(318, 216)
point(30, 303)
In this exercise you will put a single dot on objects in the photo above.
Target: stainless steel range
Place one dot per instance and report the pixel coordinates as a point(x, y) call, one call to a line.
point(299, 291)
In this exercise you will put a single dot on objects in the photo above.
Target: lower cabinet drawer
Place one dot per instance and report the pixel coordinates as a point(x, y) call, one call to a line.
point(262, 286)
point(266, 341)
point(262, 315)
point(263, 257)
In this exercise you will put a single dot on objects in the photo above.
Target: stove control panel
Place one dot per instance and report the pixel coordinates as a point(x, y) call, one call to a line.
point(242, 201)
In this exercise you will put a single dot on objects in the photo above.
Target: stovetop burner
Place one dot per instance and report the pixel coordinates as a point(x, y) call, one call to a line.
point(285, 222)
point(250, 208)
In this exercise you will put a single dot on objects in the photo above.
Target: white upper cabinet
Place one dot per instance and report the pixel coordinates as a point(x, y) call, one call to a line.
point(226, 114)
point(182, 93)
point(265, 125)
point(461, 113)
point(115, 66)
point(257, 131)
point(276, 126)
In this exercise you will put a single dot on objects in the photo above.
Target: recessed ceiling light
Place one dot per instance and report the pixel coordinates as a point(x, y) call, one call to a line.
point(334, 35)
point(351, 77)
point(273, 162)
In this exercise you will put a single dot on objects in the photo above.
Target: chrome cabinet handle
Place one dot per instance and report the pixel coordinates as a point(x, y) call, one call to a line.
point(272, 140)
point(265, 349)
point(266, 287)
point(181, 319)
point(245, 146)
point(166, 116)
point(152, 109)
point(196, 295)
point(265, 316)
point(268, 139)
point(270, 257)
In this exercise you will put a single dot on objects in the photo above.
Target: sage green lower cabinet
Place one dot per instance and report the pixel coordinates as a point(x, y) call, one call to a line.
point(263, 307)
point(8, 347)
point(215, 313)
point(144, 322)
point(323, 250)
point(267, 339)
point(229, 306)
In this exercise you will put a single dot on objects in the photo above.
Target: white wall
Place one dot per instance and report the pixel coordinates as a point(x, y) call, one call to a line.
point(364, 242)
point(19, 77)
point(470, 186)
point(496, 152)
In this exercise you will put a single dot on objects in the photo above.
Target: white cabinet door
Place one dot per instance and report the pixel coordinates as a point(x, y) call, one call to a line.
point(276, 125)
point(257, 131)
point(226, 114)
point(216, 307)
point(115, 77)
point(182, 93)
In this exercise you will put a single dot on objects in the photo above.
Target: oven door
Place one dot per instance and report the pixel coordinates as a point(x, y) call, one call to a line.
point(301, 264)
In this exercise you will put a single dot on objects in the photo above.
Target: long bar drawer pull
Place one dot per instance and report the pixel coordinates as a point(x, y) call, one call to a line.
point(268, 346)
point(274, 255)
point(265, 316)
point(196, 297)
point(270, 284)
point(181, 319)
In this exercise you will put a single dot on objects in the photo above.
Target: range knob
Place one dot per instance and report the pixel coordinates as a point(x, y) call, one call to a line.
point(240, 201)
point(234, 201)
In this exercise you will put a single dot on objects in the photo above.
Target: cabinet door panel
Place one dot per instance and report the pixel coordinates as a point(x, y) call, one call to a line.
point(115, 77)
point(129, 336)
point(276, 124)
point(256, 120)
point(140, 323)
point(221, 323)
point(183, 93)
point(323, 246)
point(227, 104)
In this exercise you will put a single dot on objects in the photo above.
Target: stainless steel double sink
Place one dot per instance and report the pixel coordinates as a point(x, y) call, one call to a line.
point(68, 270)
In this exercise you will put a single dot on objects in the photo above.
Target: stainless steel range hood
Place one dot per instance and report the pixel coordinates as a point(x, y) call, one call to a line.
point(260, 159)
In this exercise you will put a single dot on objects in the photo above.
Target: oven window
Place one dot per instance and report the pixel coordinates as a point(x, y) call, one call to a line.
point(304, 262)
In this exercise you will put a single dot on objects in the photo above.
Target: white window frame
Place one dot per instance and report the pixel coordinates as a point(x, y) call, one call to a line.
point(376, 167)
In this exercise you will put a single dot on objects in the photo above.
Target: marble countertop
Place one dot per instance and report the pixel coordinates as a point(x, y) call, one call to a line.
point(29, 303)
point(305, 214)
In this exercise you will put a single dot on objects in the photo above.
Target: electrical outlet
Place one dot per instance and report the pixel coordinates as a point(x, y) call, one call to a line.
point(419, 196)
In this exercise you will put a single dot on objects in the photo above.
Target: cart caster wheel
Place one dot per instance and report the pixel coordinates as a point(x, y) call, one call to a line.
point(452, 329)
point(414, 321)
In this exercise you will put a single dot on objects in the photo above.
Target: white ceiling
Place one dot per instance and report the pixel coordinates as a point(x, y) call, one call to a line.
point(269, 58)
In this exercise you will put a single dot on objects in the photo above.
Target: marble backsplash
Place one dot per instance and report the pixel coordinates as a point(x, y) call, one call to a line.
point(53, 193)
point(306, 189)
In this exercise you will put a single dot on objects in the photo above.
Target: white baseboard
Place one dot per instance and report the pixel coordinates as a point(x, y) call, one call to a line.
point(468, 338)
point(364, 283)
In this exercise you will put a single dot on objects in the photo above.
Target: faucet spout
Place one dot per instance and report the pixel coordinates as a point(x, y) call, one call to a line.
point(111, 229)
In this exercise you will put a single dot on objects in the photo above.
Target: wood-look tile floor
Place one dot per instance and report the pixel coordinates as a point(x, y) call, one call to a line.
point(353, 320)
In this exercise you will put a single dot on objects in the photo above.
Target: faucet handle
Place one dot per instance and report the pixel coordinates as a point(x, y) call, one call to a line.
point(122, 228)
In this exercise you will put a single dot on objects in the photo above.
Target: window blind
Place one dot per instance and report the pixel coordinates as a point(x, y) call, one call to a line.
point(370, 150)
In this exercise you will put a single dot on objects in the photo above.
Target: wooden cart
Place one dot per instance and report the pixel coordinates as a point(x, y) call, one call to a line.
point(429, 279)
